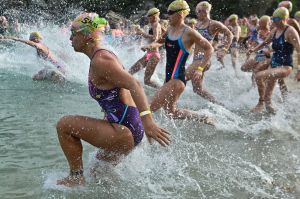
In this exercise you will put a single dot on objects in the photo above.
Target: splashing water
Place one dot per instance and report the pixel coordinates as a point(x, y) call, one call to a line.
point(245, 156)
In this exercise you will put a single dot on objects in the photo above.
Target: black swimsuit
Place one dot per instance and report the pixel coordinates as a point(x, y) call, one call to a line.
point(176, 59)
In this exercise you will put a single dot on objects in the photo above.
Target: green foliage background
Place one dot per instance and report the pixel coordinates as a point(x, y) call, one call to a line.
point(221, 8)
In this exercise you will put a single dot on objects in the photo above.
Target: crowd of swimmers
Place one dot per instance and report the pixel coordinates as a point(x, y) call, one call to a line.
point(269, 43)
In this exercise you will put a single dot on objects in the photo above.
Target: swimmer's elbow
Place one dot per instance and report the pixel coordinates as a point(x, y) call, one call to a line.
point(134, 86)
point(210, 49)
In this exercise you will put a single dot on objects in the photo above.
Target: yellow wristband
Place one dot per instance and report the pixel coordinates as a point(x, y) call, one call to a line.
point(200, 68)
point(145, 113)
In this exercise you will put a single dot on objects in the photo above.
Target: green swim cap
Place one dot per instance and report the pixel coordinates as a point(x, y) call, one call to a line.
point(89, 23)
point(297, 14)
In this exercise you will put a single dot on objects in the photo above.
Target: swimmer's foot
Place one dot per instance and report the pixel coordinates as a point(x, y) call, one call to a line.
point(258, 108)
point(207, 120)
point(270, 108)
point(220, 68)
point(73, 180)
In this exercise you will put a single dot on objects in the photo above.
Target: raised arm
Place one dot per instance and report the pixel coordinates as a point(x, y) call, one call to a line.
point(266, 42)
point(30, 43)
point(220, 28)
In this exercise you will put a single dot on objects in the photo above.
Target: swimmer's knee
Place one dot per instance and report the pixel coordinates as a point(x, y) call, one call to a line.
point(244, 68)
point(179, 86)
point(124, 142)
point(63, 123)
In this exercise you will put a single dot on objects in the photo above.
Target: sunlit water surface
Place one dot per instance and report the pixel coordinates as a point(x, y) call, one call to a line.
point(245, 156)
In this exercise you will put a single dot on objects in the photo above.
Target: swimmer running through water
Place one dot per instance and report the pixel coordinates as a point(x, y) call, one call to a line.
point(35, 40)
point(208, 28)
point(263, 57)
point(120, 96)
point(152, 57)
point(284, 39)
point(179, 40)
point(234, 47)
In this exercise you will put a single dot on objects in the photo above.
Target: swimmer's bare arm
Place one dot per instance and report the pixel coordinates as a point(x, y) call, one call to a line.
point(108, 68)
point(294, 24)
point(158, 43)
point(221, 28)
point(156, 32)
point(236, 33)
point(148, 36)
point(30, 43)
point(201, 44)
point(266, 42)
point(293, 38)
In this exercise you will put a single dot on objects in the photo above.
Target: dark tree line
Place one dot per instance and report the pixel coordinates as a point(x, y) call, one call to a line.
point(56, 9)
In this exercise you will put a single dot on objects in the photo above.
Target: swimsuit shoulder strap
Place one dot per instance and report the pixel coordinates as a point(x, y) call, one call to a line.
point(183, 32)
point(102, 49)
point(209, 23)
point(285, 30)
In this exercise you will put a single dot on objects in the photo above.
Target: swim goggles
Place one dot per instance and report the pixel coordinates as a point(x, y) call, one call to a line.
point(171, 12)
point(276, 19)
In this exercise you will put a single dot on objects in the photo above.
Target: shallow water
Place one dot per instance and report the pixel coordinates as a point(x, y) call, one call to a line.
point(245, 156)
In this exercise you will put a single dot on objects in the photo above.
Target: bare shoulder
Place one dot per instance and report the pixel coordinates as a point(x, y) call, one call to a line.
point(292, 22)
point(215, 23)
point(191, 32)
point(291, 31)
point(103, 60)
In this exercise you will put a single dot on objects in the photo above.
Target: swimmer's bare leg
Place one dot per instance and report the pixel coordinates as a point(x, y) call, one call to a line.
point(167, 96)
point(150, 68)
point(141, 63)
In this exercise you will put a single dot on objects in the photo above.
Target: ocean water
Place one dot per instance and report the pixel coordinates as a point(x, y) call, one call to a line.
point(245, 156)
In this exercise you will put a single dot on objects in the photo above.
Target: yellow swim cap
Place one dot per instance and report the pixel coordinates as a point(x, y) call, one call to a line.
point(297, 14)
point(152, 12)
point(192, 21)
point(205, 5)
point(233, 17)
point(35, 35)
point(179, 5)
point(264, 18)
point(287, 4)
point(281, 13)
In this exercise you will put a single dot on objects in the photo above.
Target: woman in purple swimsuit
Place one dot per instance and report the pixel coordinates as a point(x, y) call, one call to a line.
point(120, 96)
